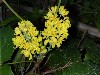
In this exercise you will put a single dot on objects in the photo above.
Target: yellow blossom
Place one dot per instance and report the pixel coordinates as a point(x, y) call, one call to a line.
point(56, 28)
point(17, 31)
point(45, 42)
point(63, 11)
point(26, 37)
point(27, 54)
point(33, 42)
point(43, 49)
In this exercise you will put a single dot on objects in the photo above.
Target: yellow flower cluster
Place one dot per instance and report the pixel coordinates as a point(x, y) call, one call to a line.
point(57, 25)
point(32, 42)
point(28, 39)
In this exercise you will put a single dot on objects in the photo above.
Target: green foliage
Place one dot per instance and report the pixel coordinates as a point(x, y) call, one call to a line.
point(19, 58)
point(69, 51)
point(6, 49)
point(8, 20)
point(5, 70)
point(60, 58)
point(80, 68)
point(6, 46)
point(92, 49)
point(90, 12)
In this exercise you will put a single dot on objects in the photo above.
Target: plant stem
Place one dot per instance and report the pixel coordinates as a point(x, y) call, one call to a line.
point(58, 5)
point(12, 9)
point(36, 66)
point(17, 62)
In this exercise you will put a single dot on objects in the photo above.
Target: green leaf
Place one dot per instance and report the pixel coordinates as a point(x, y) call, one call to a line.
point(8, 20)
point(93, 50)
point(5, 70)
point(67, 53)
point(6, 46)
point(80, 68)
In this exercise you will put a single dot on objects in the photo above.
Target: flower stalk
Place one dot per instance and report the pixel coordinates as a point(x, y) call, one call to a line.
point(12, 9)
point(58, 5)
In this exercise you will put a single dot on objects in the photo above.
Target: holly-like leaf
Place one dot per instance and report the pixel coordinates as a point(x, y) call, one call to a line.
point(8, 20)
point(6, 47)
point(92, 50)
point(5, 70)
point(80, 68)
point(68, 52)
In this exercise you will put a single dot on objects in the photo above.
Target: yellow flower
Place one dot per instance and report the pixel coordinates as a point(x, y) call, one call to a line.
point(26, 37)
point(53, 9)
point(45, 42)
point(18, 41)
point(17, 31)
point(39, 38)
point(27, 54)
point(58, 45)
point(56, 29)
point(54, 39)
point(62, 11)
point(43, 49)
point(33, 42)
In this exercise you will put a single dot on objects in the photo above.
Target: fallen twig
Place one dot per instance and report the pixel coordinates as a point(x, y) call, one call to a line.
point(91, 30)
